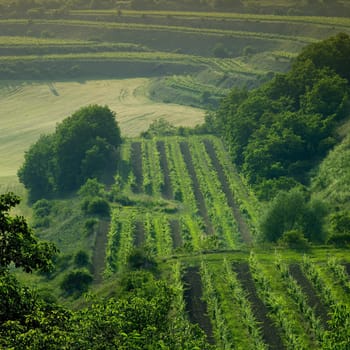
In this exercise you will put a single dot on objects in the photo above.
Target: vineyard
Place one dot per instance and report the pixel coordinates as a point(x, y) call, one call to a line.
point(185, 205)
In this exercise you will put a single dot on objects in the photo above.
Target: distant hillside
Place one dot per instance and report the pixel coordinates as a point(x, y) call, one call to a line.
point(332, 182)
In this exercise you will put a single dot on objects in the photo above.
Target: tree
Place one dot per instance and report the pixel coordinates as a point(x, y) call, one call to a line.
point(38, 170)
point(291, 211)
point(83, 146)
point(18, 245)
point(81, 138)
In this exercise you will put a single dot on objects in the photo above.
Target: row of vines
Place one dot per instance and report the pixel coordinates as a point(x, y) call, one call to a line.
point(255, 304)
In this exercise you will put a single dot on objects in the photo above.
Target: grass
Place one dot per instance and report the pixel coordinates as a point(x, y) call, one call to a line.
point(29, 109)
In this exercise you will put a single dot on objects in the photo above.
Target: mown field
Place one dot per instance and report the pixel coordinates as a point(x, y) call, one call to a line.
point(231, 49)
point(188, 207)
point(29, 109)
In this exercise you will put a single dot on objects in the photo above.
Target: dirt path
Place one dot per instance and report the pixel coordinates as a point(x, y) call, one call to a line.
point(139, 235)
point(195, 306)
point(167, 190)
point(136, 164)
point(242, 225)
point(196, 189)
point(175, 233)
point(98, 259)
point(270, 333)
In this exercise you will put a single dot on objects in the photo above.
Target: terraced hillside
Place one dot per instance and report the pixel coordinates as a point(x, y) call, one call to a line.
point(230, 48)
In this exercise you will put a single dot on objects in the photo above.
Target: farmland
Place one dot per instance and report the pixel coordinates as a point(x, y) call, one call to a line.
point(178, 209)
point(29, 109)
point(178, 188)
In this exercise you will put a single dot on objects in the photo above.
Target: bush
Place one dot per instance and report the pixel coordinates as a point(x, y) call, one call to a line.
point(95, 206)
point(340, 240)
point(291, 211)
point(81, 259)
point(77, 281)
point(294, 239)
point(140, 259)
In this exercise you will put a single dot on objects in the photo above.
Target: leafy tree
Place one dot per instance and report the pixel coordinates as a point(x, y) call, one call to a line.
point(290, 211)
point(80, 139)
point(39, 168)
point(18, 245)
point(83, 146)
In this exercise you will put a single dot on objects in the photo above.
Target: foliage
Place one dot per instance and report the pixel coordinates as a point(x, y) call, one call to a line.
point(278, 132)
point(18, 245)
point(292, 212)
point(81, 259)
point(294, 239)
point(76, 281)
point(92, 188)
point(82, 147)
point(95, 206)
point(159, 127)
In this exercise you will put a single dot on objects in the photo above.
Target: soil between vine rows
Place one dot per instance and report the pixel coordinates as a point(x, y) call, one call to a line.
point(195, 306)
point(313, 299)
point(242, 225)
point(167, 190)
point(136, 164)
point(175, 233)
point(270, 332)
point(347, 268)
point(139, 235)
point(196, 189)
point(98, 259)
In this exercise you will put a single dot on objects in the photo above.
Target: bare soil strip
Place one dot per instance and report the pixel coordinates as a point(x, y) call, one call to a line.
point(242, 225)
point(167, 190)
point(197, 192)
point(347, 268)
point(195, 306)
point(139, 235)
point(99, 255)
point(314, 301)
point(176, 233)
point(136, 164)
point(270, 332)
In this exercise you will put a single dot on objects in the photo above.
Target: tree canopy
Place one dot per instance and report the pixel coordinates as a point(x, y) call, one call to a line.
point(83, 146)
point(279, 131)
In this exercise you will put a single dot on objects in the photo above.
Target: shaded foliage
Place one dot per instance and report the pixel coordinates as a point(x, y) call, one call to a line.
point(278, 132)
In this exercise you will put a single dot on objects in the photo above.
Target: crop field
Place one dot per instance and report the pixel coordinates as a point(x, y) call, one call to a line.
point(189, 208)
point(29, 109)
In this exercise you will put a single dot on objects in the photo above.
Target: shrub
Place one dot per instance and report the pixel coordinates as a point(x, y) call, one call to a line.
point(77, 281)
point(95, 206)
point(81, 259)
point(294, 239)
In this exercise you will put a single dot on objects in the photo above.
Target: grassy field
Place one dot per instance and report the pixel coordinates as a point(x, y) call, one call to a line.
point(31, 109)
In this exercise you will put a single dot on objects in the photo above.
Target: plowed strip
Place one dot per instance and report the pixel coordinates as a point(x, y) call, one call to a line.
point(98, 259)
point(167, 190)
point(139, 236)
point(136, 164)
point(195, 306)
point(175, 233)
point(269, 331)
point(196, 189)
point(242, 225)
point(313, 299)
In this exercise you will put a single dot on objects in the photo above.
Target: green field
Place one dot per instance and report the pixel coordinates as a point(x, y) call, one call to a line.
point(29, 109)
